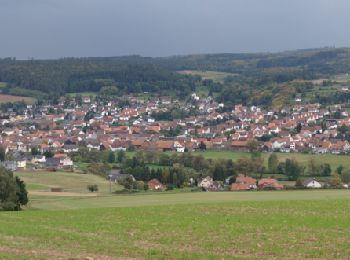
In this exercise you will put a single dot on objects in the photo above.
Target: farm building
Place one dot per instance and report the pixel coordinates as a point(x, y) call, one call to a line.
point(155, 184)
point(267, 183)
point(244, 183)
point(312, 183)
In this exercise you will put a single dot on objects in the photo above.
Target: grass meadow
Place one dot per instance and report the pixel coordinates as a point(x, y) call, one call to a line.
point(216, 76)
point(86, 93)
point(257, 225)
point(76, 224)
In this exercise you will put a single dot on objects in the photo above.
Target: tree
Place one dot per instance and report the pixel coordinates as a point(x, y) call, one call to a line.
point(121, 156)
point(48, 154)
point(345, 176)
point(111, 157)
point(92, 187)
point(312, 167)
point(109, 91)
point(34, 151)
point(101, 169)
point(335, 181)
point(2, 154)
point(299, 183)
point(253, 146)
point(218, 171)
point(339, 169)
point(273, 163)
point(140, 185)
point(202, 146)
point(128, 183)
point(326, 169)
point(292, 169)
point(13, 193)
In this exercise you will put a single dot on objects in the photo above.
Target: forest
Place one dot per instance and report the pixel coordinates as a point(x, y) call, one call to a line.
point(268, 79)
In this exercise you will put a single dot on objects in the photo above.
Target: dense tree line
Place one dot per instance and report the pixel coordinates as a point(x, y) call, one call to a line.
point(260, 79)
point(92, 74)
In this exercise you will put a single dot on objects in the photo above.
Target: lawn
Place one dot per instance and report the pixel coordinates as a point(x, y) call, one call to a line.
point(257, 225)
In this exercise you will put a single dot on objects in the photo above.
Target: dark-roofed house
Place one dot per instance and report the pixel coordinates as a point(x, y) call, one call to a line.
point(115, 176)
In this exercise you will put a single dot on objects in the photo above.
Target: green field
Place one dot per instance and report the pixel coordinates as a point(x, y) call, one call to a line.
point(215, 76)
point(173, 225)
point(87, 93)
point(69, 182)
point(257, 225)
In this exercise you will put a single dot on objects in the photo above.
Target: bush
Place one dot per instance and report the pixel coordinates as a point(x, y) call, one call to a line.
point(92, 188)
point(140, 185)
point(170, 187)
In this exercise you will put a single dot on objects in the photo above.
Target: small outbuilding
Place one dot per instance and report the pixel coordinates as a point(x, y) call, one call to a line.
point(155, 184)
point(312, 183)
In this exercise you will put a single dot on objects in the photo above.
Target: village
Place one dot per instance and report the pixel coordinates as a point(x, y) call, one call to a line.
point(65, 127)
point(44, 137)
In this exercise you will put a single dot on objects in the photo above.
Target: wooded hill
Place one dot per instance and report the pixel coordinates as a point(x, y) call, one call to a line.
point(268, 74)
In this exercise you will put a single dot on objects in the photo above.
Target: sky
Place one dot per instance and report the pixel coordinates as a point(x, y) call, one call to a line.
point(79, 28)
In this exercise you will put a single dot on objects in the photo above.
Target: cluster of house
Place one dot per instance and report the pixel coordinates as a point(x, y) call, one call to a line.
point(65, 127)
point(19, 161)
point(246, 183)
point(242, 183)
point(154, 184)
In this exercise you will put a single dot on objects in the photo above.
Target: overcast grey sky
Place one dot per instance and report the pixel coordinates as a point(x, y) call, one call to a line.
point(62, 28)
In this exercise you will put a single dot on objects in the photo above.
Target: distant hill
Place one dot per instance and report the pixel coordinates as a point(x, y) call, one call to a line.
point(133, 74)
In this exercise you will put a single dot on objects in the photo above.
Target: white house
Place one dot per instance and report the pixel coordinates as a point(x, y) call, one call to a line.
point(312, 183)
point(179, 148)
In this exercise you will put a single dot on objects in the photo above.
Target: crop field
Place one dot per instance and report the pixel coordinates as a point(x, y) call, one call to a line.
point(10, 98)
point(223, 225)
point(76, 224)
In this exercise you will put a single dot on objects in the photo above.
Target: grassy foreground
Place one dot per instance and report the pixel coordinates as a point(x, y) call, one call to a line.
point(251, 229)
point(198, 225)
